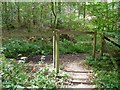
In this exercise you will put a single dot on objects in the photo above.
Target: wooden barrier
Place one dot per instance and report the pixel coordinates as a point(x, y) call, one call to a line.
point(56, 51)
point(94, 45)
point(103, 38)
point(76, 32)
point(102, 45)
point(55, 34)
point(106, 38)
point(56, 45)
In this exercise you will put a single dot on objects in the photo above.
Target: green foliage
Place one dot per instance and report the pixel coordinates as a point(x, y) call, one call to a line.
point(106, 79)
point(13, 47)
point(101, 63)
point(70, 47)
point(19, 75)
point(105, 16)
point(106, 75)
point(16, 46)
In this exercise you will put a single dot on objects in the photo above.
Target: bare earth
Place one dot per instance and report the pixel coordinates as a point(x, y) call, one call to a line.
point(74, 65)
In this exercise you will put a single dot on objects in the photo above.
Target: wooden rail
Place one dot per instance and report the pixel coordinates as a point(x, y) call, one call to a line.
point(73, 32)
point(106, 38)
point(103, 38)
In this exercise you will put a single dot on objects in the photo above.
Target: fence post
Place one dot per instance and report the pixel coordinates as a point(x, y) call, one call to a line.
point(94, 45)
point(57, 52)
point(102, 44)
point(54, 45)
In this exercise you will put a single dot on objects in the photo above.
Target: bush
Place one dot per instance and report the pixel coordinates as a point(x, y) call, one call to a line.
point(13, 47)
point(106, 79)
point(106, 75)
point(101, 63)
point(16, 46)
point(70, 47)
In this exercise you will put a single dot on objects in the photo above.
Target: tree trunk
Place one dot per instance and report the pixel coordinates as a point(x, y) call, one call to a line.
point(119, 23)
point(84, 13)
point(79, 7)
point(55, 15)
point(6, 15)
point(94, 45)
point(18, 11)
point(59, 12)
point(33, 8)
point(41, 16)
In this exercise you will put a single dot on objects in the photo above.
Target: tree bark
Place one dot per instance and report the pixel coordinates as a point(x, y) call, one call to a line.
point(18, 11)
point(59, 12)
point(119, 23)
point(6, 15)
point(55, 15)
point(84, 13)
point(79, 7)
point(94, 45)
point(33, 8)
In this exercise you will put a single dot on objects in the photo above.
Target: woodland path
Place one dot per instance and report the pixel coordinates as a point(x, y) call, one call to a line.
point(74, 65)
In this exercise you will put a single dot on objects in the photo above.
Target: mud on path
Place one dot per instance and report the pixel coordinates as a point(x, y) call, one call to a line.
point(64, 59)
point(74, 65)
point(70, 62)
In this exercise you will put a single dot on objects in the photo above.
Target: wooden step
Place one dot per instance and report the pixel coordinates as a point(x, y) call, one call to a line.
point(80, 86)
point(79, 75)
point(81, 82)
point(81, 71)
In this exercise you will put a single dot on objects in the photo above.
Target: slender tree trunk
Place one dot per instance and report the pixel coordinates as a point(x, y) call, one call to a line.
point(79, 7)
point(6, 15)
point(84, 13)
point(51, 20)
point(18, 9)
point(11, 12)
point(41, 16)
point(33, 9)
point(119, 23)
point(55, 15)
point(59, 12)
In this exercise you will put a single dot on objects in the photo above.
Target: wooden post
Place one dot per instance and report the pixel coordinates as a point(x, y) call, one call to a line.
point(94, 44)
point(102, 45)
point(54, 45)
point(57, 52)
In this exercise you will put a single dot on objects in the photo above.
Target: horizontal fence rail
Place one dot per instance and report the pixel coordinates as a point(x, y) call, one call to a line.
point(106, 38)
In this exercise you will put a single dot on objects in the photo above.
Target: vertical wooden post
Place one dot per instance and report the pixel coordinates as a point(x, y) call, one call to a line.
point(102, 45)
point(94, 44)
point(57, 52)
point(54, 45)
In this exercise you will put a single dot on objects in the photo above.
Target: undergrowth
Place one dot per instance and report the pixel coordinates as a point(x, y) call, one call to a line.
point(19, 75)
point(13, 47)
point(105, 74)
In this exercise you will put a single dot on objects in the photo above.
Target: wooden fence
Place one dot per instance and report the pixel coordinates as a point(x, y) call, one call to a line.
point(103, 38)
point(56, 34)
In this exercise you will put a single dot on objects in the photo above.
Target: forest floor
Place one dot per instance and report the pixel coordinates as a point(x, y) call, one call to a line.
point(74, 65)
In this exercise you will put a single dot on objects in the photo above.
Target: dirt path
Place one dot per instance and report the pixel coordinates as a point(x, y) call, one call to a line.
point(74, 65)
